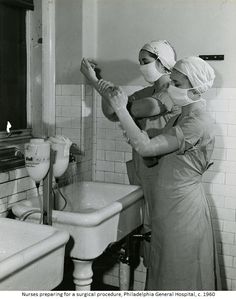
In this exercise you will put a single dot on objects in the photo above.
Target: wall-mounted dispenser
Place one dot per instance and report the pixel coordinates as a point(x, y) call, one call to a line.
point(37, 158)
point(61, 146)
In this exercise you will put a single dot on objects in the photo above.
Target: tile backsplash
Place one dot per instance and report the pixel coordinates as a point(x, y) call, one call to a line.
point(79, 116)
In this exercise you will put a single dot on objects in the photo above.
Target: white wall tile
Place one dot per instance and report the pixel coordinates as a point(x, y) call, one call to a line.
point(4, 177)
point(233, 287)
point(120, 167)
point(123, 146)
point(100, 155)
point(58, 90)
point(226, 261)
point(63, 122)
point(58, 110)
point(228, 249)
point(214, 177)
point(128, 156)
point(217, 105)
point(8, 188)
point(223, 213)
point(63, 101)
point(224, 237)
point(224, 166)
point(71, 90)
point(231, 130)
point(226, 93)
point(229, 226)
point(105, 166)
point(231, 179)
point(71, 133)
point(71, 111)
point(216, 200)
point(232, 105)
point(100, 176)
point(210, 94)
point(114, 178)
point(114, 156)
point(105, 123)
point(231, 154)
point(230, 272)
point(75, 100)
point(220, 129)
point(230, 202)
point(225, 117)
point(219, 154)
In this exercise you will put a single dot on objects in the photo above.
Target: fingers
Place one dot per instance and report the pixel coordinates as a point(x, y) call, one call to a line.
point(86, 63)
point(105, 85)
point(92, 63)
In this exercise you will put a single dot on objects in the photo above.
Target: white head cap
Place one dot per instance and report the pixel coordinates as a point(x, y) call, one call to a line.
point(200, 74)
point(164, 52)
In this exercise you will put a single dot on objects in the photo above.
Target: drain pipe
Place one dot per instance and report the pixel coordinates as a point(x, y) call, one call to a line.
point(124, 266)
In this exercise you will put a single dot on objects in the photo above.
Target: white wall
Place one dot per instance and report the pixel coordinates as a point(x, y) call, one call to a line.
point(193, 27)
point(75, 37)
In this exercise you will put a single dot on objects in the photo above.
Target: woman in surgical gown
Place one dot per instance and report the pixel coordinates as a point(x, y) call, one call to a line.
point(156, 59)
point(183, 254)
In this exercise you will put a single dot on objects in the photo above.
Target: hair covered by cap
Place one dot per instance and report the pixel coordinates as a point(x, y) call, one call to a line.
point(164, 52)
point(200, 74)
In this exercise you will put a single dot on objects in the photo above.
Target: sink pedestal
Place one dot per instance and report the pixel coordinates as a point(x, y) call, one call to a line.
point(82, 274)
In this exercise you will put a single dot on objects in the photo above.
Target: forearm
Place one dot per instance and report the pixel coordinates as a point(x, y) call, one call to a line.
point(140, 141)
point(108, 111)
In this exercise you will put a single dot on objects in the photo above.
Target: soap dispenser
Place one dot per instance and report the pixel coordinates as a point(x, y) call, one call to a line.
point(37, 158)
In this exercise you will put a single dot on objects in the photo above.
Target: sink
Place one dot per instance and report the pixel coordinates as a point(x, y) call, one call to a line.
point(31, 255)
point(96, 215)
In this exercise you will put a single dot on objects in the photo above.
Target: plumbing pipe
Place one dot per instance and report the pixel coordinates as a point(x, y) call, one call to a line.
point(48, 67)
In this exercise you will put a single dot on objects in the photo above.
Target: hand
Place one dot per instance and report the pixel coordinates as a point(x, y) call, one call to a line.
point(117, 98)
point(104, 87)
point(87, 69)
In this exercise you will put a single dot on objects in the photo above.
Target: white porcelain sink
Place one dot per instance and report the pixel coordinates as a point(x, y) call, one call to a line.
point(96, 215)
point(31, 255)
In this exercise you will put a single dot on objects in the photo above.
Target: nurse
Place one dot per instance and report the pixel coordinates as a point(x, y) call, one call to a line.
point(183, 254)
point(150, 111)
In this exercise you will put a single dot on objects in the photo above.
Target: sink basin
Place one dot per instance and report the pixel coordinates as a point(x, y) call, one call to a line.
point(31, 255)
point(96, 215)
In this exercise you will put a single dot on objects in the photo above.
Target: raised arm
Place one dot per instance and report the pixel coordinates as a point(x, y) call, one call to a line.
point(140, 108)
point(146, 147)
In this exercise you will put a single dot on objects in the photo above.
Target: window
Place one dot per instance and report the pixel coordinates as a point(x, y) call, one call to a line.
point(13, 63)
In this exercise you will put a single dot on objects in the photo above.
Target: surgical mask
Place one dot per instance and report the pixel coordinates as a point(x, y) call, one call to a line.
point(180, 96)
point(150, 72)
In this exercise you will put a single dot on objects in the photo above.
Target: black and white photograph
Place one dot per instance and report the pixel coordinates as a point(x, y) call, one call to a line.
point(117, 148)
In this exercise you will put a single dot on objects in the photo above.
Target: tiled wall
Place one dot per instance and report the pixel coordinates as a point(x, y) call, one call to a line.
point(219, 180)
point(74, 119)
point(15, 186)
